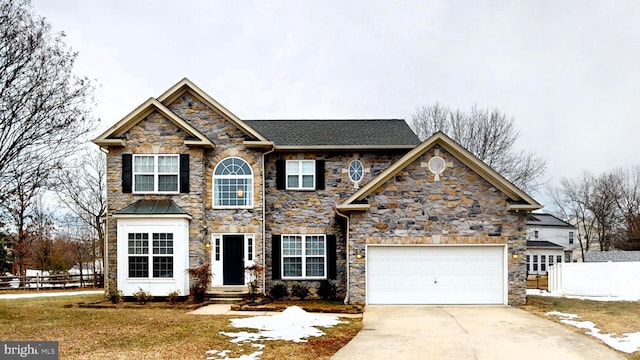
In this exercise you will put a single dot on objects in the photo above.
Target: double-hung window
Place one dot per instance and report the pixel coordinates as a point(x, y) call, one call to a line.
point(156, 173)
point(304, 256)
point(157, 263)
point(570, 237)
point(301, 174)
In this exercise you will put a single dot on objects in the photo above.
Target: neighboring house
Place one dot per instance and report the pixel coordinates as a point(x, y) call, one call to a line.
point(361, 203)
point(612, 256)
point(549, 241)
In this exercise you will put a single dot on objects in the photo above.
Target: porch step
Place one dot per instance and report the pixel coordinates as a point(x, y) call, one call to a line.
point(228, 294)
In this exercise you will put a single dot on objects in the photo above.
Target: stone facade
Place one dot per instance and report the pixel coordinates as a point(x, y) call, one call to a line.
point(414, 207)
point(157, 135)
point(313, 212)
point(459, 208)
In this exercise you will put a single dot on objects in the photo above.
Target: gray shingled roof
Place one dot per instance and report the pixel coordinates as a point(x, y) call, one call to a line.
point(614, 256)
point(545, 244)
point(392, 132)
point(152, 207)
point(536, 219)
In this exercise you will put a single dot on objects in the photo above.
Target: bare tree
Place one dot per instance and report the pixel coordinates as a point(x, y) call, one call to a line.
point(82, 187)
point(489, 135)
point(44, 108)
point(572, 199)
point(626, 183)
point(602, 205)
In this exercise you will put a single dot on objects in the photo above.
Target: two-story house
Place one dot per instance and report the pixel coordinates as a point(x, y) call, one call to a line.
point(362, 203)
point(550, 240)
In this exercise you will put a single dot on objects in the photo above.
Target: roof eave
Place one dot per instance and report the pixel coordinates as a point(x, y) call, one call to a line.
point(156, 216)
point(342, 147)
point(109, 142)
point(353, 207)
point(258, 144)
point(523, 207)
point(199, 143)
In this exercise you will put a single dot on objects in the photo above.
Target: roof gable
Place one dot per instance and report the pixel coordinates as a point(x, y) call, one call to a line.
point(185, 85)
point(337, 134)
point(113, 135)
point(519, 200)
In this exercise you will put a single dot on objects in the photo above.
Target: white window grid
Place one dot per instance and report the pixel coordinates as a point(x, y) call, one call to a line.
point(159, 264)
point(156, 173)
point(233, 183)
point(301, 174)
point(304, 256)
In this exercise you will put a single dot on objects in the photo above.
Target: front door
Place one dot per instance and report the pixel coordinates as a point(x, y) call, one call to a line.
point(233, 259)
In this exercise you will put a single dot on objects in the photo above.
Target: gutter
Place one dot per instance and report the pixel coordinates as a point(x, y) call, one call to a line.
point(264, 226)
point(346, 298)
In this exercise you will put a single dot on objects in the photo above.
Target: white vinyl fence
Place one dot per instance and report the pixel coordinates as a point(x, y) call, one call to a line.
point(619, 279)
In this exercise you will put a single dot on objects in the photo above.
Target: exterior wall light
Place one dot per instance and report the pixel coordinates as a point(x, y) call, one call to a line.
point(515, 255)
point(359, 255)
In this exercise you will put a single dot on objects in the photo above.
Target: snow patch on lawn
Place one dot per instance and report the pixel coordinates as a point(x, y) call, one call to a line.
point(539, 292)
point(628, 342)
point(293, 324)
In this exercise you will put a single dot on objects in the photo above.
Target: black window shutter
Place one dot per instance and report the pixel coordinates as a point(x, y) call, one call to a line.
point(319, 174)
point(331, 257)
point(275, 257)
point(281, 175)
point(184, 173)
point(127, 173)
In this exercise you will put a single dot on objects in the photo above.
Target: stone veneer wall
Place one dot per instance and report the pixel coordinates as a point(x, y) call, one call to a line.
point(228, 140)
point(156, 134)
point(313, 212)
point(460, 208)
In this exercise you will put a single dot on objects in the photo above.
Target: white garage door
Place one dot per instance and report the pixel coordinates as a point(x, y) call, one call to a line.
point(435, 275)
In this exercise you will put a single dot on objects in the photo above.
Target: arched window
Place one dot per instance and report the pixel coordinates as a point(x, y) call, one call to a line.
point(232, 183)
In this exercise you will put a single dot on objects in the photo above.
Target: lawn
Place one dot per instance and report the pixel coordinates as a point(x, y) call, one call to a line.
point(610, 317)
point(147, 332)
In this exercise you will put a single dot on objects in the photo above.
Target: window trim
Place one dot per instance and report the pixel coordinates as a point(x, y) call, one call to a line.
point(300, 174)
point(352, 166)
point(250, 194)
point(149, 254)
point(304, 257)
point(156, 174)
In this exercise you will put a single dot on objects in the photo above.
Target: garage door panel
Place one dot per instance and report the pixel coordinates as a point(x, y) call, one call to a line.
point(435, 275)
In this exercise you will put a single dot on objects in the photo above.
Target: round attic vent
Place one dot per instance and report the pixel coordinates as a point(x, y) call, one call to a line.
point(436, 165)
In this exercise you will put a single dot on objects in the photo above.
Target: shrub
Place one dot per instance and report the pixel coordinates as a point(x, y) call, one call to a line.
point(142, 296)
point(327, 290)
point(173, 296)
point(279, 291)
point(253, 273)
point(200, 278)
point(300, 291)
point(112, 293)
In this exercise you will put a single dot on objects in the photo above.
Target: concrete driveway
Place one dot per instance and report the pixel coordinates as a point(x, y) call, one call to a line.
point(466, 332)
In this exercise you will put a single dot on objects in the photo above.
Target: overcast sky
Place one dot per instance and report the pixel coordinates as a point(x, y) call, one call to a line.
point(568, 72)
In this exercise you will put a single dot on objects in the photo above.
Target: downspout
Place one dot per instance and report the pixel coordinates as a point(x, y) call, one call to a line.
point(105, 255)
point(346, 297)
point(264, 226)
